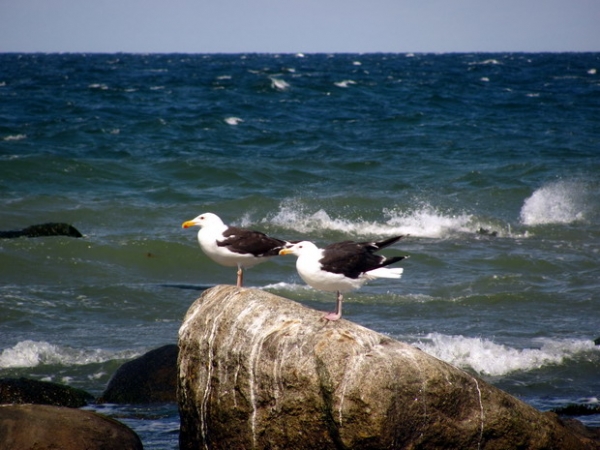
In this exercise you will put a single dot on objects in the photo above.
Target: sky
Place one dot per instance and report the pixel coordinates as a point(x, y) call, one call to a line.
point(292, 26)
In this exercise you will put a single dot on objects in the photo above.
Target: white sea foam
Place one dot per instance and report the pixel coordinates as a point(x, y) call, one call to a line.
point(100, 86)
point(344, 83)
point(290, 287)
point(34, 353)
point(559, 202)
point(485, 63)
point(233, 120)
point(15, 137)
point(423, 222)
point(488, 358)
point(279, 84)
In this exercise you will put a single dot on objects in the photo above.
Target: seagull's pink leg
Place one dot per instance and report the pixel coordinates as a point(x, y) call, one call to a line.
point(338, 309)
point(240, 276)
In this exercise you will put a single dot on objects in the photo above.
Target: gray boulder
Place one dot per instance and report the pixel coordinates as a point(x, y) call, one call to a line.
point(44, 427)
point(260, 371)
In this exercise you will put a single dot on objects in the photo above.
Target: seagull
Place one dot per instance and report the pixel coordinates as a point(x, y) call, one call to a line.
point(343, 266)
point(232, 246)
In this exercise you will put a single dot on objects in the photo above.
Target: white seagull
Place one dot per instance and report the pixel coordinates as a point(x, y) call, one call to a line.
point(232, 246)
point(343, 266)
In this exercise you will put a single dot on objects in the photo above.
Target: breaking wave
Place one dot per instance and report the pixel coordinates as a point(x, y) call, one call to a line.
point(423, 222)
point(488, 358)
point(562, 202)
point(35, 353)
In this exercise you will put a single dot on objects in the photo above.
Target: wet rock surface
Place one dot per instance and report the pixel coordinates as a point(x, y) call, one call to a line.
point(43, 229)
point(24, 390)
point(151, 378)
point(45, 427)
point(260, 371)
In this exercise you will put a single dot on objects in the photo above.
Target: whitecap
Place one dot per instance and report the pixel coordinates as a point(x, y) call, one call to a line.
point(101, 86)
point(560, 202)
point(279, 84)
point(233, 120)
point(488, 358)
point(15, 137)
point(344, 83)
point(485, 62)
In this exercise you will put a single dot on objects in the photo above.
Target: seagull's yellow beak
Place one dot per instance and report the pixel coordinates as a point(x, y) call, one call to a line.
point(285, 251)
point(187, 224)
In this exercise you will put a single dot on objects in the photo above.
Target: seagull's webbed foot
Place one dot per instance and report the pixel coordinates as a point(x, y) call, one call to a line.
point(332, 316)
point(338, 310)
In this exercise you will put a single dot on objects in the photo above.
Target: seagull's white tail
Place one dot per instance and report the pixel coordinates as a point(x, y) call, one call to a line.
point(384, 272)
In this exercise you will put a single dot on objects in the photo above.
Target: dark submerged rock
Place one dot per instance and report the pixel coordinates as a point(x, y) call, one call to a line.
point(577, 410)
point(261, 371)
point(44, 229)
point(44, 427)
point(151, 378)
point(487, 232)
point(24, 390)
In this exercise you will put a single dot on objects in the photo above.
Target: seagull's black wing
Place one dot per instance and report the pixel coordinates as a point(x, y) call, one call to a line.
point(354, 258)
point(239, 240)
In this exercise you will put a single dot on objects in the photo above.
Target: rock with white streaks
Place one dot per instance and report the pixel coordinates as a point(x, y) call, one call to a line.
point(260, 371)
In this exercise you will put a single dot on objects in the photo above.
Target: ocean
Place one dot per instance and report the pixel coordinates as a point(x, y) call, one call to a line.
point(488, 164)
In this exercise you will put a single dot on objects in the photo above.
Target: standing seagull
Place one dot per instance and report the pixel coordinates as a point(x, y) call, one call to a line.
point(232, 246)
point(343, 266)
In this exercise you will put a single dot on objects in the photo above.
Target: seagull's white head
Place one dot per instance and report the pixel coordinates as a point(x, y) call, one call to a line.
point(299, 249)
point(204, 220)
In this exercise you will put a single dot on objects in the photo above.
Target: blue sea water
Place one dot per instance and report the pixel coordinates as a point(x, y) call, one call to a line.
point(489, 164)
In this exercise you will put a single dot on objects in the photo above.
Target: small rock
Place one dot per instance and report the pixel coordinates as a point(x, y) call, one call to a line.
point(43, 229)
point(24, 390)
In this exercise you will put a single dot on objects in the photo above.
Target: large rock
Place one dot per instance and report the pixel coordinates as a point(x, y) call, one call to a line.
point(261, 371)
point(25, 390)
point(148, 379)
point(43, 427)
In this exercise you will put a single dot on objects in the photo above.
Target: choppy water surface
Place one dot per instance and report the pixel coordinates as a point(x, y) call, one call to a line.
point(488, 163)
